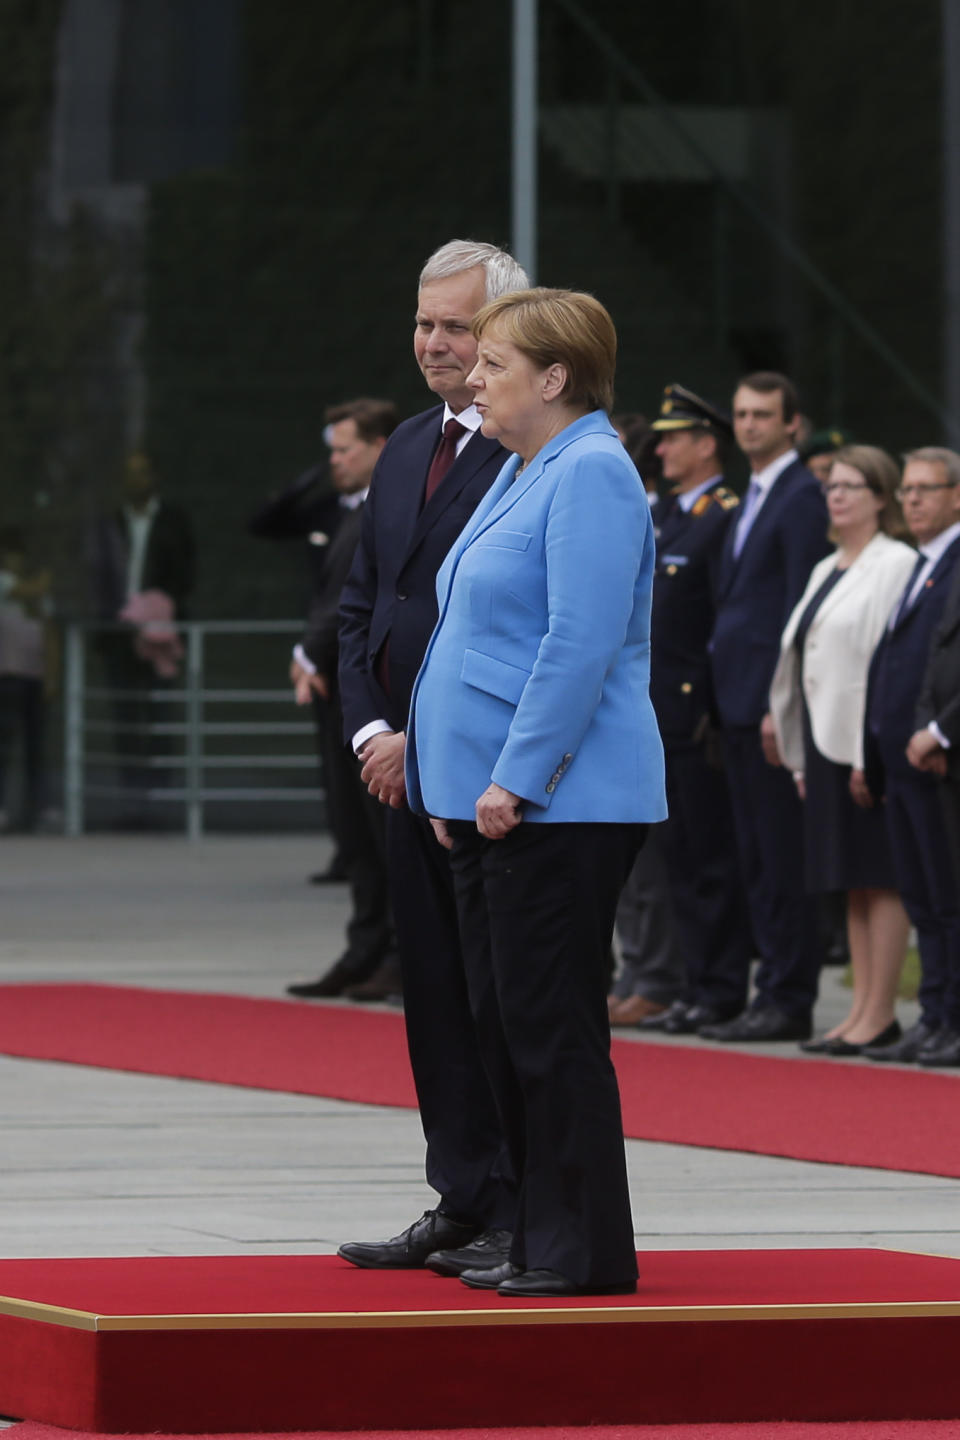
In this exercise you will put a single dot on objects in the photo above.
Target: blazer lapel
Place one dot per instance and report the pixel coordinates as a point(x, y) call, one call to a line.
point(474, 455)
point(942, 570)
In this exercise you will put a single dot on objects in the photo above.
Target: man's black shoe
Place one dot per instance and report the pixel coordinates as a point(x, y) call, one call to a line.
point(334, 875)
point(532, 1284)
point(490, 1249)
point(345, 972)
point(768, 1023)
point(409, 1250)
point(942, 1051)
point(905, 1051)
point(385, 983)
point(690, 1019)
point(490, 1279)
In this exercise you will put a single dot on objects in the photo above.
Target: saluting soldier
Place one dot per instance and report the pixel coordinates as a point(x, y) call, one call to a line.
point(698, 839)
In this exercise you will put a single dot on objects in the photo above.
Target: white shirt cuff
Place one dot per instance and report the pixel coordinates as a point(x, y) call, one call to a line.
point(303, 660)
point(376, 727)
point(938, 735)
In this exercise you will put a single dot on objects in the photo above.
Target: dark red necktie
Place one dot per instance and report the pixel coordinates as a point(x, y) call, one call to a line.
point(444, 456)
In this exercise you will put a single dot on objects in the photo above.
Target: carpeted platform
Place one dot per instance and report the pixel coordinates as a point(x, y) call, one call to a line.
point(784, 1430)
point(193, 1345)
point(836, 1112)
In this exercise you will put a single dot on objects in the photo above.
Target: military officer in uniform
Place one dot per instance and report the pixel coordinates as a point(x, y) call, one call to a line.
point(698, 839)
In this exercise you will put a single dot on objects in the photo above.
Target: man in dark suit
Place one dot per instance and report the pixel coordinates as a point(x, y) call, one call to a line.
point(935, 745)
point(779, 535)
point(919, 838)
point(698, 836)
point(356, 432)
point(433, 471)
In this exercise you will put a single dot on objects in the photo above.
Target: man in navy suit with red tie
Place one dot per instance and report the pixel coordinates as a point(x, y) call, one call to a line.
point(919, 839)
point(433, 472)
point(779, 535)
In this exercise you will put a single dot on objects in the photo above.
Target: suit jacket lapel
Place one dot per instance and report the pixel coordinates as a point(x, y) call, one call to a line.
point(472, 458)
point(943, 568)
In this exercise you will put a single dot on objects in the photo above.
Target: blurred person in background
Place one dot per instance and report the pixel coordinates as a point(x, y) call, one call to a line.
point(143, 564)
point(935, 744)
point(698, 839)
point(27, 678)
point(817, 701)
point(651, 972)
point(309, 511)
point(779, 534)
point(368, 969)
point(922, 864)
point(817, 451)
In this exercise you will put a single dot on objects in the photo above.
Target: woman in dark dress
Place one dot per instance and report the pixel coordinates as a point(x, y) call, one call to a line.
point(817, 700)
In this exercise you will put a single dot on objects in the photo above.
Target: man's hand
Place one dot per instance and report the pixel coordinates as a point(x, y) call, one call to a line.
point(300, 680)
point(799, 780)
point(498, 812)
point(382, 761)
point(768, 740)
point(442, 833)
point(859, 792)
point(926, 753)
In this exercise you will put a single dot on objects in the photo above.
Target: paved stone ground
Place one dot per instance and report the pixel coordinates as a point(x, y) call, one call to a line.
point(100, 1163)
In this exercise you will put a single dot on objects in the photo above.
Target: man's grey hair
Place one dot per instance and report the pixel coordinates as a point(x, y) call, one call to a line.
point(938, 455)
point(502, 272)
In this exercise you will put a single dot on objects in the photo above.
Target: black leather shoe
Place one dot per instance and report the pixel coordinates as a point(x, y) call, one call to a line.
point(335, 982)
point(904, 1051)
point(409, 1250)
point(486, 1252)
point(766, 1024)
point(942, 1051)
point(334, 876)
point(694, 1017)
point(384, 984)
point(842, 1049)
point(659, 1022)
point(818, 1045)
point(489, 1279)
point(531, 1284)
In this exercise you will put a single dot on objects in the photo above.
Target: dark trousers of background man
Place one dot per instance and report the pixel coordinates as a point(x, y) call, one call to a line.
point(21, 726)
point(768, 818)
point(466, 1163)
point(356, 822)
point(536, 919)
point(923, 867)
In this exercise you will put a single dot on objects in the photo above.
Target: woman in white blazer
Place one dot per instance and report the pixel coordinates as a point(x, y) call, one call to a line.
point(817, 701)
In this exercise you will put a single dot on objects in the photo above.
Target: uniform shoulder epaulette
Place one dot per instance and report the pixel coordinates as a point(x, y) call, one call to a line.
point(720, 496)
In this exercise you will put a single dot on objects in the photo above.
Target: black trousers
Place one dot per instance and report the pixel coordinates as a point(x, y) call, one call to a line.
point(357, 824)
point(699, 846)
point(923, 866)
point(467, 1161)
point(768, 819)
point(536, 916)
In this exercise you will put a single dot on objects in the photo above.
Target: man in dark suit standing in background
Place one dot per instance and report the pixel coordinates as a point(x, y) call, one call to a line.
point(368, 969)
point(433, 472)
point(935, 745)
point(919, 839)
point(779, 535)
point(698, 837)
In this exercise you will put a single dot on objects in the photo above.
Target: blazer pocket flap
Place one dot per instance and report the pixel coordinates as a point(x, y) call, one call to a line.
point(496, 677)
point(505, 539)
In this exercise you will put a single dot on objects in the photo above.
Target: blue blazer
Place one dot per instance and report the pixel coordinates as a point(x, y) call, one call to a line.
point(391, 591)
point(537, 675)
point(758, 590)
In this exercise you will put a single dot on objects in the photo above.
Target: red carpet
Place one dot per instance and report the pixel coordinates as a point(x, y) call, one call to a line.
point(217, 1344)
point(846, 1114)
point(769, 1430)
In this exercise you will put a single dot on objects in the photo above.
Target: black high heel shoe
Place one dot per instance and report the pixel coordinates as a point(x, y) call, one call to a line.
point(840, 1049)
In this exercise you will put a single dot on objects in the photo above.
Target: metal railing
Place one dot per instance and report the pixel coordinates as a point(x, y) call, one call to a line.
point(193, 697)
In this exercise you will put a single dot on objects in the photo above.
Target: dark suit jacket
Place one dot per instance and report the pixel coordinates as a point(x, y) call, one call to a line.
point(391, 589)
point(684, 607)
point(940, 691)
point(169, 563)
point(306, 510)
point(897, 676)
point(757, 592)
point(320, 640)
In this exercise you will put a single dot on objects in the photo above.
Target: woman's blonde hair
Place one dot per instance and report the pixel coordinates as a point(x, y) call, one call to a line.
point(565, 327)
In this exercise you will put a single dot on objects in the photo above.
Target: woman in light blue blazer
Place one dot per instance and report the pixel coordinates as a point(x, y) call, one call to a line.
point(533, 746)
